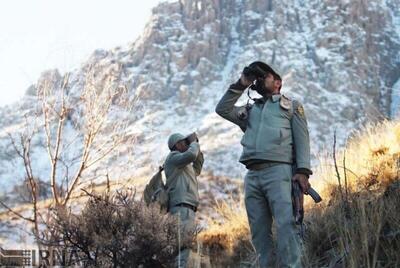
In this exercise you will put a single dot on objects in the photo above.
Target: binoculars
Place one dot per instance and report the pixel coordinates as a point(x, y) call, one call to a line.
point(253, 73)
point(191, 138)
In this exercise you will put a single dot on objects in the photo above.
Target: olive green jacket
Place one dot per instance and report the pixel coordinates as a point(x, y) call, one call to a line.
point(275, 129)
point(181, 170)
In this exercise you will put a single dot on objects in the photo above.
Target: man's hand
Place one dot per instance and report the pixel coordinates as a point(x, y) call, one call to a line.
point(244, 81)
point(303, 181)
point(192, 137)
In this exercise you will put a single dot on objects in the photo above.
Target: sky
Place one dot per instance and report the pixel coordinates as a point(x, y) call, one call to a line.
point(37, 35)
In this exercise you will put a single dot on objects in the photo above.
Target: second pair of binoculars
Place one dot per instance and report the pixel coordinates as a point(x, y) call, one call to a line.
point(191, 138)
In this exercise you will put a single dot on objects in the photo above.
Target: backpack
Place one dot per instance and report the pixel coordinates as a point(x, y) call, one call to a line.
point(156, 191)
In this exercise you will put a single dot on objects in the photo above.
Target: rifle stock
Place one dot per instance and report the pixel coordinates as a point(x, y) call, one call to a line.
point(298, 209)
point(297, 196)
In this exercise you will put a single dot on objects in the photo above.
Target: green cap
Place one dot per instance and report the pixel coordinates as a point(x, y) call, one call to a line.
point(174, 138)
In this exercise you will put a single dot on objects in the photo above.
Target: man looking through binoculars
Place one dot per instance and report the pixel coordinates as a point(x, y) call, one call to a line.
point(276, 150)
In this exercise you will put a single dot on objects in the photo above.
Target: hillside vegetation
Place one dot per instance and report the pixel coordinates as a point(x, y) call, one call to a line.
point(357, 224)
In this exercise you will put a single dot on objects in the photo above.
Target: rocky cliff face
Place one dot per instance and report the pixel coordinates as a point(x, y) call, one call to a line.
point(340, 58)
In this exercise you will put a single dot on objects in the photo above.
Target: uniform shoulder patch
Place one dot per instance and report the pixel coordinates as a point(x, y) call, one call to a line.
point(285, 102)
point(300, 110)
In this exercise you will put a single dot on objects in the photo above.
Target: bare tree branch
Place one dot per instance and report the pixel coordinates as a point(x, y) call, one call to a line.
point(16, 213)
point(54, 160)
point(336, 167)
point(99, 136)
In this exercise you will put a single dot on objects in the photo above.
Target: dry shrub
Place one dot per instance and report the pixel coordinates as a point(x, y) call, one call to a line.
point(117, 231)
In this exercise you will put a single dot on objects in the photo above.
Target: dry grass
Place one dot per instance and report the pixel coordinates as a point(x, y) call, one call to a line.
point(370, 160)
point(227, 240)
point(363, 232)
point(358, 223)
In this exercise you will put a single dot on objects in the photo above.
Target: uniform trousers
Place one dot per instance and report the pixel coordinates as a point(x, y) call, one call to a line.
point(268, 199)
point(186, 218)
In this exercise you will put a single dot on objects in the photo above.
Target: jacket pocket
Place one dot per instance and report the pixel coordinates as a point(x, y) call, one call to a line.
point(268, 139)
point(285, 133)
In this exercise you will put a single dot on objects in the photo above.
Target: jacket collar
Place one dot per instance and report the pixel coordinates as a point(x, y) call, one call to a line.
point(274, 98)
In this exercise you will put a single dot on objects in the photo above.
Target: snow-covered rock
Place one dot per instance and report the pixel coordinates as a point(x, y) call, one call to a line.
point(340, 58)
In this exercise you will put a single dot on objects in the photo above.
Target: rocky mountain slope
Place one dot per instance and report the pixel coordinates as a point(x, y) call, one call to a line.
point(340, 58)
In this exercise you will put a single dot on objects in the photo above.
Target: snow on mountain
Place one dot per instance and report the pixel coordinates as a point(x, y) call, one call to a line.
point(395, 104)
point(339, 58)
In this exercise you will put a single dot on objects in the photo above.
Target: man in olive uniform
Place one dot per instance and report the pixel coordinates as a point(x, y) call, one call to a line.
point(182, 165)
point(275, 151)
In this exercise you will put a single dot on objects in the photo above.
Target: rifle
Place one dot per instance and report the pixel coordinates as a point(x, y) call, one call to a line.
point(298, 204)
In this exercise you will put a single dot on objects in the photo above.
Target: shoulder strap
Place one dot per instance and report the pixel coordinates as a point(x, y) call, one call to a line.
point(292, 109)
point(289, 103)
point(173, 176)
point(295, 105)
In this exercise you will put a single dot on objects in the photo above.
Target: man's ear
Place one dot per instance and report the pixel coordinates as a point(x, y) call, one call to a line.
point(277, 84)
